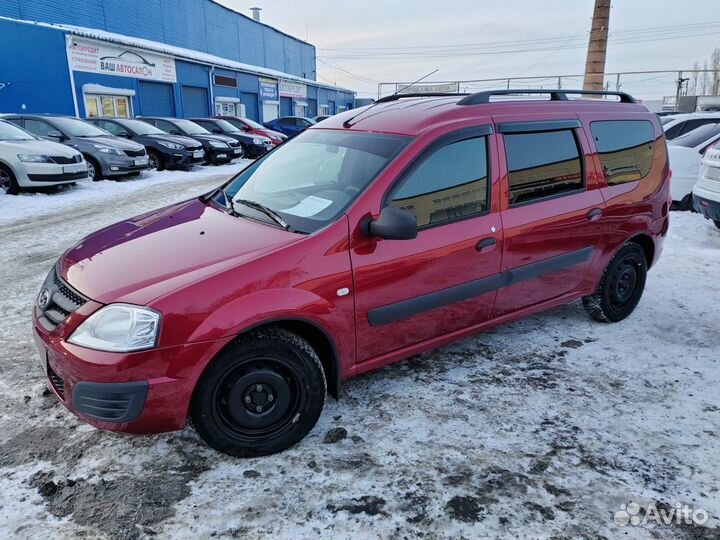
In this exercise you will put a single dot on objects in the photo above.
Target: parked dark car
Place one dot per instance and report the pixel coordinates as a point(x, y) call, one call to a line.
point(378, 235)
point(290, 125)
point(106, 155)
point(218, 148)
point(253, 146)
point(253, 128)
point(164, 151)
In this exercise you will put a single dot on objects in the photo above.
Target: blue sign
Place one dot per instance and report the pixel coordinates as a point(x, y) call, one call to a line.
point(268, 90)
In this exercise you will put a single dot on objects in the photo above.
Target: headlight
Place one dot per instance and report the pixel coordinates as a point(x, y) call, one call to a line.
point(118, 328)
point(108, 150)
point(34, 158)
point(218, 144)
point(171, 145)
point(258, 141)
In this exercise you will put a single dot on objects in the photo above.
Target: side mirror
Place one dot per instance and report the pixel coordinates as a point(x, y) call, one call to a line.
point(174, 132)
point(217, 130)
point(393, 224)
point(124, 135)
point(55, 134)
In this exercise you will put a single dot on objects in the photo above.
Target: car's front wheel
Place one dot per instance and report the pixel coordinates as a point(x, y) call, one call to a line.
point(261, 395)
point(621, 286)
point(717, 223)
point(156, 160)
point(94, 170)
point(8, 182)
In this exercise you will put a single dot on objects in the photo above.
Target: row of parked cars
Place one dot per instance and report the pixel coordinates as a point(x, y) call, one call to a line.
point(694, 152)
point(45, 150)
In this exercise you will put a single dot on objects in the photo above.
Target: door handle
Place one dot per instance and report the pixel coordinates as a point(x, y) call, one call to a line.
point(594, 214)
point(485, 243)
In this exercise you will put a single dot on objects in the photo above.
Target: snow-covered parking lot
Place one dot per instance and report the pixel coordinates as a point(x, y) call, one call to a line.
point(542, 428)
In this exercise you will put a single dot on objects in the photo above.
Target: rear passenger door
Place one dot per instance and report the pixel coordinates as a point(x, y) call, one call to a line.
point(552, 211)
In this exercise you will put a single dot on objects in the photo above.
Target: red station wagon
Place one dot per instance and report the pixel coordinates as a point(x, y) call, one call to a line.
point(378, 234)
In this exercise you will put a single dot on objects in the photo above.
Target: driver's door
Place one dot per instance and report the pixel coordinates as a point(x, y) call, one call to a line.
point(444, 280)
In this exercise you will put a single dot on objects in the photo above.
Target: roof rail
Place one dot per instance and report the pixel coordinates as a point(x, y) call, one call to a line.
point(479, 98)
point(395, 97)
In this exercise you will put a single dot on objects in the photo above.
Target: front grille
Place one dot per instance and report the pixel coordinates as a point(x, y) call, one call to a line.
point(194, 148)
point(62, 302)
point(57, 382)
point(62, 160)
point(233, 144)
point(135, 153)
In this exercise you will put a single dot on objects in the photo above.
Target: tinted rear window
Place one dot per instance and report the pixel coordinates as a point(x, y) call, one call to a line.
point(697, 136)
point(625, 147)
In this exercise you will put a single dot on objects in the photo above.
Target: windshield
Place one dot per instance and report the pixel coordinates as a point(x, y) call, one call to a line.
point(78, 128)
point(252, 123)
point(666, 119)
point(310, 180)
point(697, 136)
point(226, 126)
point(10, 132)
point(141, 128)
point(191, 128)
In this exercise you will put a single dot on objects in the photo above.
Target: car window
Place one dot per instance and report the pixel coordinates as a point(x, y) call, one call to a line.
point(625, 148)
point(204, 123)
point(166, 126)
point(11, 132)
point(38, 127)
point(112, 127)
point(449, 184)
point(695, 123)
point(697, 136)
point(542, 164)
point(287, 121)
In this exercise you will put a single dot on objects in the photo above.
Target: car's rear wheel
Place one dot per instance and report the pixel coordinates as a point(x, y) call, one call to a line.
point(261, 395)
point(621, 286)
point(94, 170)
point(8, 182)
point(156, 161)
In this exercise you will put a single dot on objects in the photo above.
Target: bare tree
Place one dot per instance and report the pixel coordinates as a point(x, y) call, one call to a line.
point(694, 79)
point(704, 80)
point(715, 62)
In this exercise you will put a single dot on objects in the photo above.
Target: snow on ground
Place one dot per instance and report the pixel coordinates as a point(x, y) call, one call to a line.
point(538, 429)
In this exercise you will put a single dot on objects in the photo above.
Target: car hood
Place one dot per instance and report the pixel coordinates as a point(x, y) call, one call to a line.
point(43, 147)
point(270, 133)
point(179, 139)
point(148, 256)
point(213, 137)
point(113, 142)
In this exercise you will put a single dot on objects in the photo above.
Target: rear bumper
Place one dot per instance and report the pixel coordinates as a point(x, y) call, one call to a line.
point(707, 207)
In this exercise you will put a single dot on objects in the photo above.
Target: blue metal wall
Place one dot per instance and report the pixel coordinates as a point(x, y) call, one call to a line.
point(201, 25)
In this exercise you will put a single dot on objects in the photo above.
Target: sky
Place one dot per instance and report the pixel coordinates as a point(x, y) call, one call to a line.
point(362, 43)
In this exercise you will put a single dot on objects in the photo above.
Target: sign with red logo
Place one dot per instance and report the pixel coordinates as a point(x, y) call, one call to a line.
point(110, 59)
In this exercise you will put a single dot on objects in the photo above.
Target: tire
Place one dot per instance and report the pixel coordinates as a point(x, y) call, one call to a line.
point(156, 160)
point(717, 223)
point(8, 182)
point(244, 152)
point(259, 396)
point(621, 286)
point(94, 170)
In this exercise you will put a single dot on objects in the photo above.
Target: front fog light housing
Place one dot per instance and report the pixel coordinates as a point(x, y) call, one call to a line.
point(118, 328)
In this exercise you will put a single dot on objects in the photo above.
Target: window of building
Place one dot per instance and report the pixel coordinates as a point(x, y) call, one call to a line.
point(101, 105)
point(542, 164)
point(625, 148)
point(222, 80)
point(324, 110)
point(449, 184)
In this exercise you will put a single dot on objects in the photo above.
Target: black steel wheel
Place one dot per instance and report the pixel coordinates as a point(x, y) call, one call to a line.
point(8, 182)
point(621, 286)
point(260, 396)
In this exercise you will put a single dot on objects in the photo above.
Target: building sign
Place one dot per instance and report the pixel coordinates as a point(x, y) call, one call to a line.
point(293, 89)
point(268, 89)
point(111, 59)
point(445, 88)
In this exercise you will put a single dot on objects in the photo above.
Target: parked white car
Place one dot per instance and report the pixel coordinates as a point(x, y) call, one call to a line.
point(678, 125)
point(706, 193)
point(26, 161)
point(685, 154)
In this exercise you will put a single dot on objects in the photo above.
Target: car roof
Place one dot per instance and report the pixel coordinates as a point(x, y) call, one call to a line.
point(413, 115)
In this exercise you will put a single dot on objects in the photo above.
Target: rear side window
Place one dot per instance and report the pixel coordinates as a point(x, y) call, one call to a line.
point(449, 184)
point(542, 164)
point(625, 148)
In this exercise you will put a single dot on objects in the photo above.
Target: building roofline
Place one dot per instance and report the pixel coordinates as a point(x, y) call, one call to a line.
point(261, 23)
point(180, 53)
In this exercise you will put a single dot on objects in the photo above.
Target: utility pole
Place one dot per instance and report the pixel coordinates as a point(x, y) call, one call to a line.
point(680, 83)
point(597, 47)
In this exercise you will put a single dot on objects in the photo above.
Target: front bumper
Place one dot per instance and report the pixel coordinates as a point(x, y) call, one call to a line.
point(257, 150)
point(707, 207)
point(112, 165)
point(218, 155)
point(50, 174)
point(179, 159)
point(141, 392)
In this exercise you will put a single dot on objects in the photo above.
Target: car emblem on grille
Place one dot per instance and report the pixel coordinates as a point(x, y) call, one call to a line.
point(44, 299)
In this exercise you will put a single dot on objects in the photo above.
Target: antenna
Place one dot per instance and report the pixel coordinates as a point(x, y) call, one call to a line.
point(347, 123)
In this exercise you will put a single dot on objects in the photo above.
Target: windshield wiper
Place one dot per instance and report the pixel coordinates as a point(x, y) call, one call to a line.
point(265, 210)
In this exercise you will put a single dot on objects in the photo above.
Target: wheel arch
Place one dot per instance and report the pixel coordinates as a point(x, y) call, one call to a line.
point(647, 244)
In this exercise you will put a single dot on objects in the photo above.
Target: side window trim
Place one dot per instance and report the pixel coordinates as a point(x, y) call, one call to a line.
point(538, 125)
point(460, 135)
point(570, 125)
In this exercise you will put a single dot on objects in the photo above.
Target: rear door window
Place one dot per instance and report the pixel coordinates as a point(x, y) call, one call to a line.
point(542, 164)
point(625, 149)
point(38, 127)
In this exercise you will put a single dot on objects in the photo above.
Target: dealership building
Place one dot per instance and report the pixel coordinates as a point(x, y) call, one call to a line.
point(186, 58)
